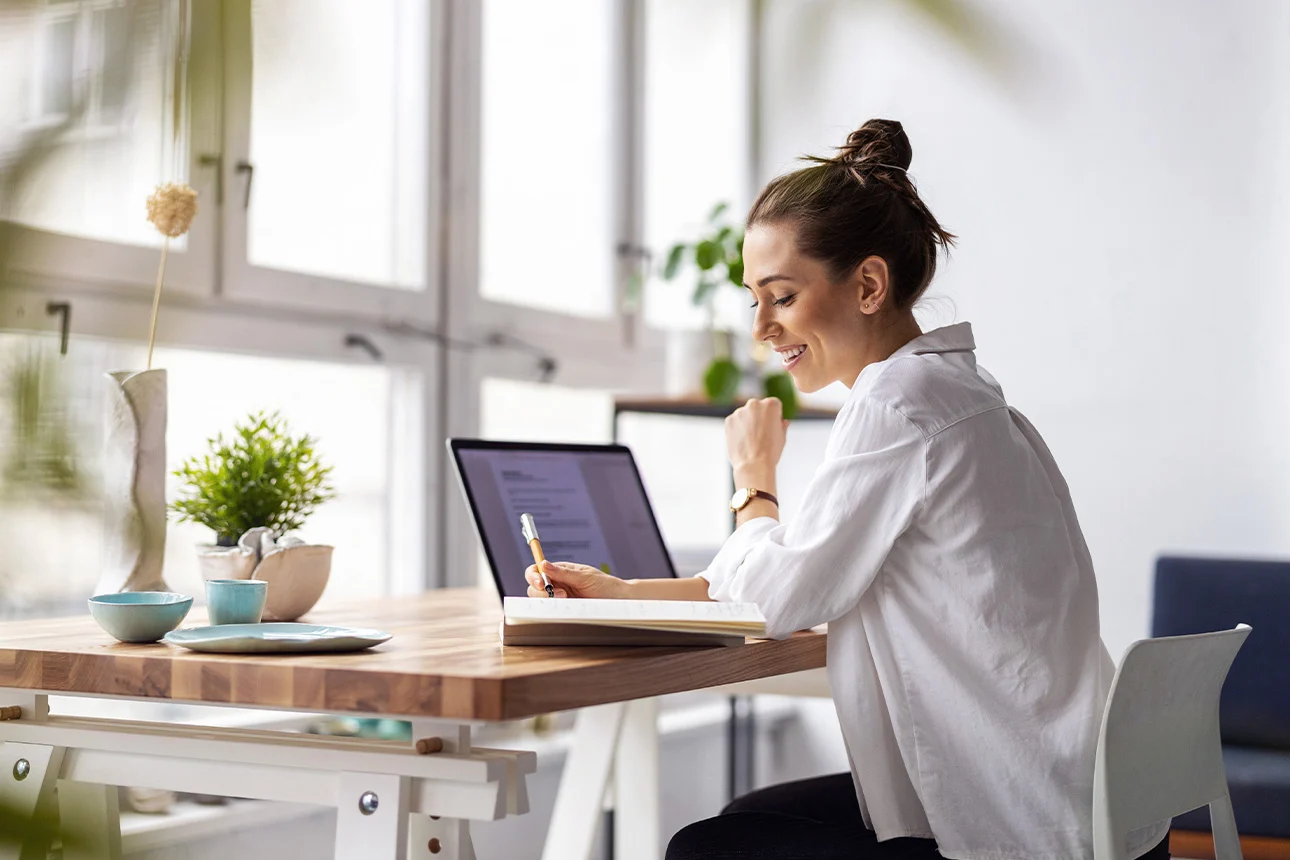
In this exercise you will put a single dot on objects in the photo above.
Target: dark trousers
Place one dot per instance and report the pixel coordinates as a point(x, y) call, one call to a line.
point(814, 819)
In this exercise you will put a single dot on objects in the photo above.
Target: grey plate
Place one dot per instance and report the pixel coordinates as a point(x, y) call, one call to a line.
point(275, 638)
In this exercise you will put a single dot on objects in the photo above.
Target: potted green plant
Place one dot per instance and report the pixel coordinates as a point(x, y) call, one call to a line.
point(251, 489)
point(713, 259)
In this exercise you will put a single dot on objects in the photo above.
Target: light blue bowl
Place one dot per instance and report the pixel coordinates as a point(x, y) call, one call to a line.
point(140, 616)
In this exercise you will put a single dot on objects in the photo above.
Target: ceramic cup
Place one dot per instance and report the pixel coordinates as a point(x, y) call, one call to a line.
point(235, 601)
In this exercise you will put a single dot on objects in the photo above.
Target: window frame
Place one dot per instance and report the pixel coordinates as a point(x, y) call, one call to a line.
point(242, 280)
point(46, 259)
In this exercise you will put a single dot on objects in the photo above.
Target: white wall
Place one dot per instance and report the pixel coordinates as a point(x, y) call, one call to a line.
point(1121, 257)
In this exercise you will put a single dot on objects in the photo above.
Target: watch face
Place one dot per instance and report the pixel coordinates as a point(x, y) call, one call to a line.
point(740, 498)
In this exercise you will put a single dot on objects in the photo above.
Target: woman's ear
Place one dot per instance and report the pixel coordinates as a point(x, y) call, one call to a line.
point(871, 280)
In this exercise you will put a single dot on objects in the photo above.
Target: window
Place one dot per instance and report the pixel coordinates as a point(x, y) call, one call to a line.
point(330, 158)
point(372, 229)
point(114, 149)
point(95, 84)
point(696, 113)
point(339, 128)
point(77, 47)
point(51, 462)
point(549, 226)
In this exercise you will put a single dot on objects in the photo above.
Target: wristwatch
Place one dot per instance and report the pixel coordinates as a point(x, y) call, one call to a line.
point(744, 495)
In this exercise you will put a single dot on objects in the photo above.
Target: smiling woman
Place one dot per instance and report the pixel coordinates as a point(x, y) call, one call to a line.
point(938, 540)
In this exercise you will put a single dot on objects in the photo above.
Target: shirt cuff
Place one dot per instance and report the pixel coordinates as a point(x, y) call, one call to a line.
point(722, 573)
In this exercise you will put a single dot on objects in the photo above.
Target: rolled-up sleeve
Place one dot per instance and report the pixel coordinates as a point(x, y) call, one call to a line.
point(816, 568)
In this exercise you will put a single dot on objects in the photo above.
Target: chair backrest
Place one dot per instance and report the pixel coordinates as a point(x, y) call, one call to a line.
point(1159, 754)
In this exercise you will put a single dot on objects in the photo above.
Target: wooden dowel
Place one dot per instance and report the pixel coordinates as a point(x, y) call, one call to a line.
point(425, 746)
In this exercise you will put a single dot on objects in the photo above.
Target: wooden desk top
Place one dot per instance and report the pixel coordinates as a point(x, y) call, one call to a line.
point(445, 660)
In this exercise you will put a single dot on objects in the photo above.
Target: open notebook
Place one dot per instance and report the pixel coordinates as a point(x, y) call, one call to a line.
point(543, 621)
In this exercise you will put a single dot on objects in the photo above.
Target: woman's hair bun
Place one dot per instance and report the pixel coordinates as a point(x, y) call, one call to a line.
point(877, 142)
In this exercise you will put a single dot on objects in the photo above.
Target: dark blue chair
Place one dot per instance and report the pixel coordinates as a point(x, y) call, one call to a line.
point(1201, 595)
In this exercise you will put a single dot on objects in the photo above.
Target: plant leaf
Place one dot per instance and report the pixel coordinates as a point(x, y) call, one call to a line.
point(707, 254)
point(721, 380)
point(735, 272)
point(634, 288)
point(717, 211)
point(702, 290)
point(674, 256)
point(781, 385)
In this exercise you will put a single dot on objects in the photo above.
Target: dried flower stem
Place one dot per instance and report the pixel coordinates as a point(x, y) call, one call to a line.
point(156, 299)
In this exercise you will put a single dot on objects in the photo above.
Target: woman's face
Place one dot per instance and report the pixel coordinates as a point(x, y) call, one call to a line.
point(816, 327)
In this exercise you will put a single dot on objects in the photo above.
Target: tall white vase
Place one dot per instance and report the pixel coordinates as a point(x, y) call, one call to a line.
point(134, 481)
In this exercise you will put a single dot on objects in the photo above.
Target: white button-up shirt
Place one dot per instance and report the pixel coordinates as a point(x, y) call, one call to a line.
point(939, 541)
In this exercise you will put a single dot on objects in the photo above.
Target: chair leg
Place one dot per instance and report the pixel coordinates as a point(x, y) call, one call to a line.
point(1227, 842)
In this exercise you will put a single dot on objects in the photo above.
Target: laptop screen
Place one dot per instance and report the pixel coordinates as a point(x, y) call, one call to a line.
point(587, 501)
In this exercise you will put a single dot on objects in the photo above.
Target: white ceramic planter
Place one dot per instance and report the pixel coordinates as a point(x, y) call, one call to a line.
point(297, 572)
point(297, 576)
point(225, 562)
point(134, 483)
point(687, 354)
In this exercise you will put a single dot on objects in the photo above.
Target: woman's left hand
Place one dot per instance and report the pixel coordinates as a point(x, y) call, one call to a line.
point(755, 436)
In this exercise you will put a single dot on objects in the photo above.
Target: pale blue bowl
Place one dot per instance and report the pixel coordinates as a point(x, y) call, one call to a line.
point(140, 616)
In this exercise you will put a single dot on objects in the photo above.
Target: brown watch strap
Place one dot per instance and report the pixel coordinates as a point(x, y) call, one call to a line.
point(762, 494)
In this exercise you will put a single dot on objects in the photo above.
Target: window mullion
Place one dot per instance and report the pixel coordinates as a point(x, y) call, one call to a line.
point(629, 158)
point(463, 307)
point(236, 134)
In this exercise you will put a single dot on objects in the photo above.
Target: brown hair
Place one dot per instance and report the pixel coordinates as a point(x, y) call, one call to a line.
point(858, 204)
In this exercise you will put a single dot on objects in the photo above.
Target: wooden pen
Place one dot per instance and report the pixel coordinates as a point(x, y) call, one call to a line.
point(529, 529)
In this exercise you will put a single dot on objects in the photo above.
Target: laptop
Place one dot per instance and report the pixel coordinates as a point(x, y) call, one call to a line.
point(587, 501)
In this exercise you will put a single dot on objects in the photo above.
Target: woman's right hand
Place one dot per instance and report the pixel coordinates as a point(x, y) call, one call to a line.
point(575, 580)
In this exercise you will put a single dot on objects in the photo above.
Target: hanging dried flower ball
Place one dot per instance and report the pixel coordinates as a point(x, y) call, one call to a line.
point(171, 208)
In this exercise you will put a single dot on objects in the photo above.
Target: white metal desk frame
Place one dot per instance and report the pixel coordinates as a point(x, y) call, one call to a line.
point(60, 773)
point(617, 752)
point(420, 798)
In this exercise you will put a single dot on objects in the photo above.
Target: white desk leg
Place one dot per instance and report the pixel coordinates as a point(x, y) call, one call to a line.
point(372, 817)
point(583, 783)
point(89, 821)
point(636, 785)
point(433, 838)
point(28, 803)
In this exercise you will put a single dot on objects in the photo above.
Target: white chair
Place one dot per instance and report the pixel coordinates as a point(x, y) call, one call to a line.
point(1159, 754)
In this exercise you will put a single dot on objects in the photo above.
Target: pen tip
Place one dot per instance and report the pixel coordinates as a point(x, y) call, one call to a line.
point(550, 592)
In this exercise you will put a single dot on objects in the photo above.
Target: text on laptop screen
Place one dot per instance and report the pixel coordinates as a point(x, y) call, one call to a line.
point(589, 507)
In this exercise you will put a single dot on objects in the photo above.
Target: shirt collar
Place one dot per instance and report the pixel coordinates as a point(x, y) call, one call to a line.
point(951, 338)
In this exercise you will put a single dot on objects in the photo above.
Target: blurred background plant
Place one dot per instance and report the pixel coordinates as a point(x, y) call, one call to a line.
point(39, 450)
point(713, 259)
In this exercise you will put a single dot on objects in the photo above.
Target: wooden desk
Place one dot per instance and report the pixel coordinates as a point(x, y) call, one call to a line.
point(444, 670)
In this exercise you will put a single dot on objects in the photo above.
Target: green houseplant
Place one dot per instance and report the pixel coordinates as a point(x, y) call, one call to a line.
point(260, 476)
point(715, 258)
